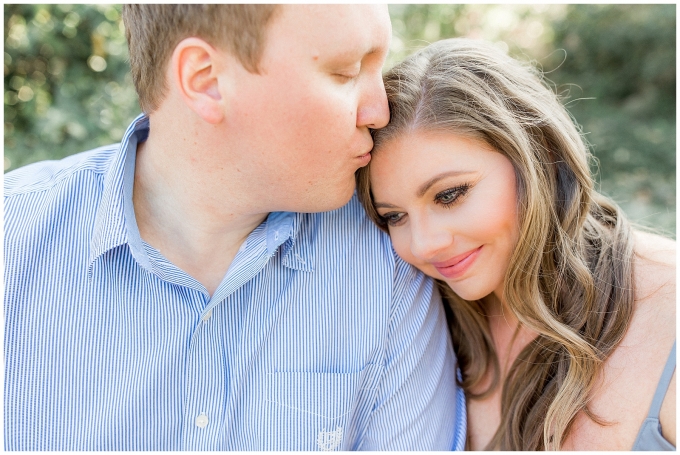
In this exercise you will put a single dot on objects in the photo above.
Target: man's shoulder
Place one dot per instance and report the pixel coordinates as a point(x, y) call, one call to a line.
point(46, 175)
point(347, 226)
point(352, 235)
point(50, 195)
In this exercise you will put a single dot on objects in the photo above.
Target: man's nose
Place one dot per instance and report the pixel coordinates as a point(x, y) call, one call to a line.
point(373, 110)
point(430, 239)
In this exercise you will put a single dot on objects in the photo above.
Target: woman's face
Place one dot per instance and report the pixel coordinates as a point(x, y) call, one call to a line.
point(450, 203)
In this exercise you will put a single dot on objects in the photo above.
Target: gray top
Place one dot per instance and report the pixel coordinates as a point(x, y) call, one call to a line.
point(649, 437)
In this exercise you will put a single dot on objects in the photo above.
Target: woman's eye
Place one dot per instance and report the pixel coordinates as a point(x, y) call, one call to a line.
point(448, 197)
point(393, 218)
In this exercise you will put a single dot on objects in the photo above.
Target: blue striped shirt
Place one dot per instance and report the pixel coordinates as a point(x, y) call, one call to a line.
point(317, 338)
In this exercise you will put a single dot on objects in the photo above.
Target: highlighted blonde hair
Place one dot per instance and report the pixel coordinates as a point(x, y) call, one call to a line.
point(570, 275)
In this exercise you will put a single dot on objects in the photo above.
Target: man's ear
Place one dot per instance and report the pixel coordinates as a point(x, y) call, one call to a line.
point(194, 68)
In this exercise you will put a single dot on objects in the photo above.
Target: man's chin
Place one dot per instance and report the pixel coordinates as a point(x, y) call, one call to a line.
point(328, 200)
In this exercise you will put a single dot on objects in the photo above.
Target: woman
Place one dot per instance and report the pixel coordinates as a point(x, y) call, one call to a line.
point(562, 315)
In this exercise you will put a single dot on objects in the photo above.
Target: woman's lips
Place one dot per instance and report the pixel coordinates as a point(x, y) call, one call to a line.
point(458, 265)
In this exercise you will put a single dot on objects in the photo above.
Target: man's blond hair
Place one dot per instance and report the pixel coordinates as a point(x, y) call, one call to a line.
point(153, 32)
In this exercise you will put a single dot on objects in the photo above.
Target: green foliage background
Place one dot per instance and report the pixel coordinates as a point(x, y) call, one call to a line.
point(67, 86)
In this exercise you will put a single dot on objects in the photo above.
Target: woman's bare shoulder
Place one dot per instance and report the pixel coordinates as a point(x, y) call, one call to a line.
point(630, 375)
point(655, 247)
point(655, 312)
point(654, 268)
point(654, 284)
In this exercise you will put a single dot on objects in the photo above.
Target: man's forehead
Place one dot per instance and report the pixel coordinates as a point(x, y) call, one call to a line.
point(339, 22)
point(334, 12)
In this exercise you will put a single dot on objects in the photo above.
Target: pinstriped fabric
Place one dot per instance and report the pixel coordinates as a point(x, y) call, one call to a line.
point(318, 337)
point(461, 419)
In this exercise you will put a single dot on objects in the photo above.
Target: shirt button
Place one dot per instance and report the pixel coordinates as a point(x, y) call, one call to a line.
point(207, 316)
point(202, 421)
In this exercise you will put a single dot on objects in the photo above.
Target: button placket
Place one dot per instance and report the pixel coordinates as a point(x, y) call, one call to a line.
point(208, 400)
point(206, 387)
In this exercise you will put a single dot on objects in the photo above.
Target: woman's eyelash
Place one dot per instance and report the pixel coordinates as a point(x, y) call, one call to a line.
point(451, 195)
point(444, 198)
point(392, 218)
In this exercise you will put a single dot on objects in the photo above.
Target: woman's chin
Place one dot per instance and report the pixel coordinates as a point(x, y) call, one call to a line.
point(468, 292)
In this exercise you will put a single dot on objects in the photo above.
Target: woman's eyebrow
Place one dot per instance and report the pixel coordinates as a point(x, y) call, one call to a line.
point(426, 186)
point(383, 205)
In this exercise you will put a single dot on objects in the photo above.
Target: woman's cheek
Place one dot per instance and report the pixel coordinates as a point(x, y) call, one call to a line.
point(397, 238)
point(401, 242)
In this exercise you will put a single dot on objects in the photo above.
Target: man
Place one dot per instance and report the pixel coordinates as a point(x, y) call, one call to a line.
point(180, 290)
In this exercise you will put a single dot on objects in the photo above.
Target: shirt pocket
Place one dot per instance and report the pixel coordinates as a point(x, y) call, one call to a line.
point(313, 411)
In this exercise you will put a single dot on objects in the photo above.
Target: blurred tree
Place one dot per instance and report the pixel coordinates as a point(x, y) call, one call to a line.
point(623, 56)
point(67, 86)
point(520, 29)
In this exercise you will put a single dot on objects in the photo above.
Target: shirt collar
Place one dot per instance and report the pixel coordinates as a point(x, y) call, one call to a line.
point(115, 222)
point(297, 252)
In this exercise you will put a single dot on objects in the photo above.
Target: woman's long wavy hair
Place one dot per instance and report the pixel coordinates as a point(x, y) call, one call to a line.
point(570, 275)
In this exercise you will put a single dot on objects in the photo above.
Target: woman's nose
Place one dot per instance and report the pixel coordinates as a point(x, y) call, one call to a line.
point(429, 239)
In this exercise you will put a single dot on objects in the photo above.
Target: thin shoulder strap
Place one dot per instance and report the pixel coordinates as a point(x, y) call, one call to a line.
point(664, 382)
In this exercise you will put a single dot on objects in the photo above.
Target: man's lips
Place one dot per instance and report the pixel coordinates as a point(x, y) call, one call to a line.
point(365, 158)
point(457, 265)
point(366, 149)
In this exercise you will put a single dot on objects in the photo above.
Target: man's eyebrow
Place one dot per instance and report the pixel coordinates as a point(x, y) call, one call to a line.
point(427, 185)
point(359, 52)
point(374, 50)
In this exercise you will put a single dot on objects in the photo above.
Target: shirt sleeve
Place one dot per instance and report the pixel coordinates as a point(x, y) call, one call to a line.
point(418, 404)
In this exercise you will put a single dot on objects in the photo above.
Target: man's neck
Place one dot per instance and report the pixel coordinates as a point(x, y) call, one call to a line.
point(182, 213)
